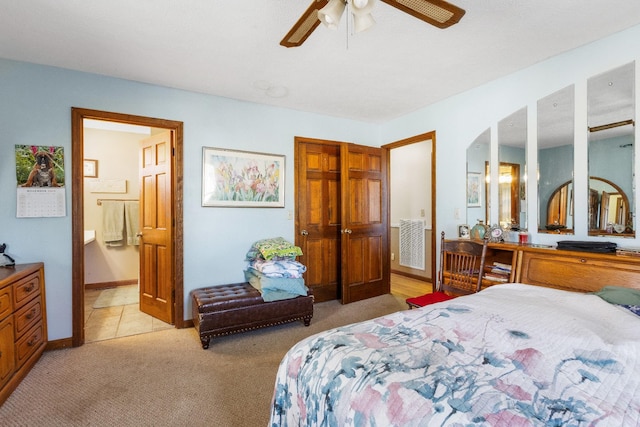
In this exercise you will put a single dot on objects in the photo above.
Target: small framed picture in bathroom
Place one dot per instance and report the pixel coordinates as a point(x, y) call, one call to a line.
point(90, 168)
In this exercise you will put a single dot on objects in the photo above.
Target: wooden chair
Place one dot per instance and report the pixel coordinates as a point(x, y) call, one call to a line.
point(461, 270)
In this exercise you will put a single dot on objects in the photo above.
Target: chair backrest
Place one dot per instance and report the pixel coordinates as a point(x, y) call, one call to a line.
point(461, 265)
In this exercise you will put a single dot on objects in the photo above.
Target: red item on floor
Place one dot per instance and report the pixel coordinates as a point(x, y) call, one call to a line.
point(427, 299)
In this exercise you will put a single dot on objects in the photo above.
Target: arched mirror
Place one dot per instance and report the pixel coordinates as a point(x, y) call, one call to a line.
point(512, 139)
point(611, 121)
point(478, 156)
point(608, 206)
point(555, 161)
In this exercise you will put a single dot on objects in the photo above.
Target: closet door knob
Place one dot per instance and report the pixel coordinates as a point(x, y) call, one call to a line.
point(139, 235)
point(304, 232)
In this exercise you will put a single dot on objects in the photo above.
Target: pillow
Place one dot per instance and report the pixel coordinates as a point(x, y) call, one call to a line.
point(274, 247)
point(619, 295)
point(635, 309)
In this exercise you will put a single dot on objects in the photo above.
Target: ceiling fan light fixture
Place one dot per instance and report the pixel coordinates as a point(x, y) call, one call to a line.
point(361, 6)
point(362, 17)
point(362, 22)
point(330, 14)
point(439, 13)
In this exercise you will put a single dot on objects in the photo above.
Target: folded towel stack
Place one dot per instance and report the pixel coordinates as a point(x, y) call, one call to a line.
point(274, 271)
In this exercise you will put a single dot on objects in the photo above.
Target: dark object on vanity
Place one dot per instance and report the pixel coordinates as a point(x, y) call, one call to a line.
point(588, 246)
point(228, 309)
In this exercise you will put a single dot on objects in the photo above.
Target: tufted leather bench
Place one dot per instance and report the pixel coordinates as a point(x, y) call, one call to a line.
point(239, 307)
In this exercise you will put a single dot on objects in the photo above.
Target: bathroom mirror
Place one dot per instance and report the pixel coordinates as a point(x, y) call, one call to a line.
point(611, 121)
point(478, 156)
point(511, 186)
point(555, 161)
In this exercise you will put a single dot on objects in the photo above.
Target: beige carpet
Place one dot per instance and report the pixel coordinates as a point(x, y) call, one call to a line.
point(121, 295)
point(166, 379)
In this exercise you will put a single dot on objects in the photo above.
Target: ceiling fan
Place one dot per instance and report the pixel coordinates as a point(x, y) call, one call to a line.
point(434, 12)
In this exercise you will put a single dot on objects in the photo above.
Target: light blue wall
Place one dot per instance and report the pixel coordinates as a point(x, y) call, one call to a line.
point(35, 104)
point(35, 108)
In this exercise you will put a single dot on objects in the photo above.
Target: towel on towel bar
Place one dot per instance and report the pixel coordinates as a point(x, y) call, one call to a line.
point(132, 221)
point(113, 222)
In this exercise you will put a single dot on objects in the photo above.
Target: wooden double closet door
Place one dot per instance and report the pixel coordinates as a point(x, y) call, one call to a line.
point(342, 218)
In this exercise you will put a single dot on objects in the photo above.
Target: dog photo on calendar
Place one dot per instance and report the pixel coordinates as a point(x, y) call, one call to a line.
point(39, 166)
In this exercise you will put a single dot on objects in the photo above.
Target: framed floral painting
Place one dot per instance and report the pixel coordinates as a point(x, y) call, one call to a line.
point(232, 178)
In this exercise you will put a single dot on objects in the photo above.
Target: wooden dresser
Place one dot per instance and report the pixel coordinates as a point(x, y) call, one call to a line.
point(23, 324)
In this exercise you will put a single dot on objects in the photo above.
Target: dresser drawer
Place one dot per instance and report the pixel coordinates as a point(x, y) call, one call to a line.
point(7, 360)
point(6, 307)
point(28, 344)
point(25, 289)
point(27, 316)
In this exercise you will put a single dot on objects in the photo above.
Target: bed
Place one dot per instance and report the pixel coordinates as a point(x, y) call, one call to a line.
point(483, 359)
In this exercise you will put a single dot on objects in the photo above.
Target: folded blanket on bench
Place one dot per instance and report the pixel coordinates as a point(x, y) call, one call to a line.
point(285, 268)
point(275, 288)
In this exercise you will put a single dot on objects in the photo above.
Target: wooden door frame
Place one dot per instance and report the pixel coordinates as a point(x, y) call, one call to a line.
point(431, 135)
point(77, 206)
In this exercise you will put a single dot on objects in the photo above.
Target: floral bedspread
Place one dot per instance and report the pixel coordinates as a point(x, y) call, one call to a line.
point(512, 355)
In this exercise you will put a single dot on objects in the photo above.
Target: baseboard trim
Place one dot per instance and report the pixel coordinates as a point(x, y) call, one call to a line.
point(117, 283)
point(59, 344)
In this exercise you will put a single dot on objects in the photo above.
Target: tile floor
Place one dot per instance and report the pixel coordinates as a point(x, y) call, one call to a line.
point(114, 322)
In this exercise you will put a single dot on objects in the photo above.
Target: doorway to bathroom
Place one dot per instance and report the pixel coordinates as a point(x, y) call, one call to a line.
point(107, 266)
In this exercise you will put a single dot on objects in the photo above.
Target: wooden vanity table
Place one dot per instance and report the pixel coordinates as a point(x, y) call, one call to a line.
point(23, 323)
point(562, 269)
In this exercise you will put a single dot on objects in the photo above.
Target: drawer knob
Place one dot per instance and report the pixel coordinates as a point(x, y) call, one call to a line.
point(30, 314)
point(582, 260)
point(29, 287)
point(32, 341)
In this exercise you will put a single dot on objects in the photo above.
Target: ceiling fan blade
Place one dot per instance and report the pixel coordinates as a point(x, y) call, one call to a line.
point(305, 25)
point(435, 12)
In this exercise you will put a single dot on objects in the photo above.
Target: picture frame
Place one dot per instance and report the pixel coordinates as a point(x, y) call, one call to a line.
point(234, 178)
point(464, 231)
point(90, 168)
point(474, 190)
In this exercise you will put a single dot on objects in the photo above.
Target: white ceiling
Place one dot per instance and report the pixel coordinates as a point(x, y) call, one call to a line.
point(231, 48)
